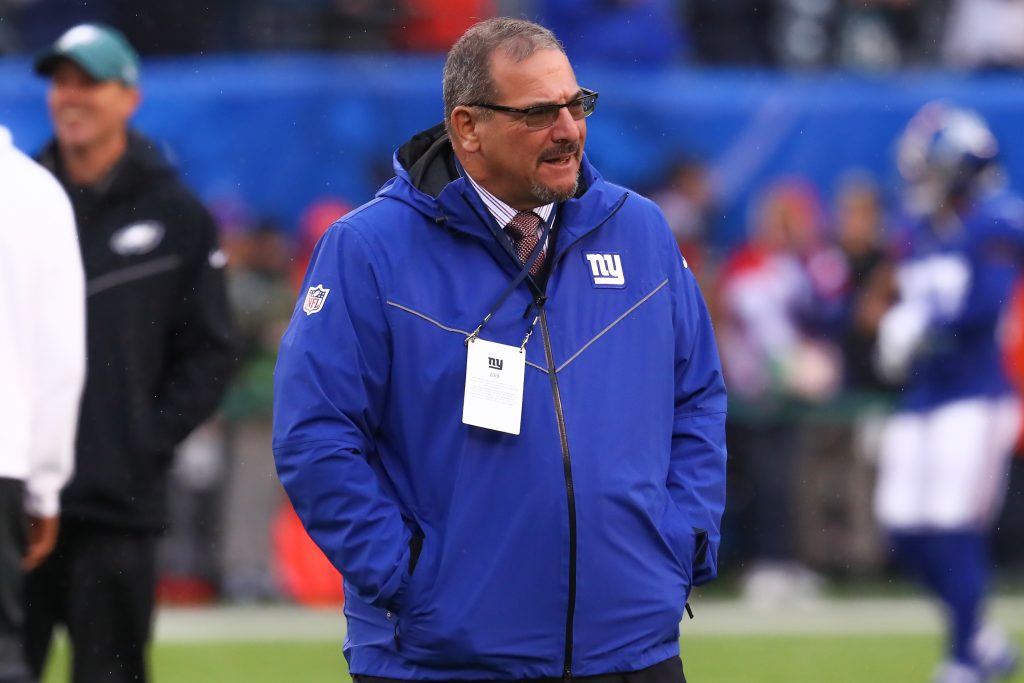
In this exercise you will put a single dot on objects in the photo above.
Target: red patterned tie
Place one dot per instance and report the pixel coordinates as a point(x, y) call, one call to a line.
point(523, 230)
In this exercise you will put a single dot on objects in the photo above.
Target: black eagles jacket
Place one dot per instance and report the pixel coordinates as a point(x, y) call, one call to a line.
point(160, 339)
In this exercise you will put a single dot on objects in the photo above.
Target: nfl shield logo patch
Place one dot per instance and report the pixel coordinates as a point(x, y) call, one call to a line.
point(315, 298)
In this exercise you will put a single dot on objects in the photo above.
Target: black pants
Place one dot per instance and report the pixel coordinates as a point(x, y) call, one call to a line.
point(668, 671)
point(100, 583)
point(12, 549)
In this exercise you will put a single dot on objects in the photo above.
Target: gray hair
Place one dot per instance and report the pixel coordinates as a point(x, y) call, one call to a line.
point(467, 71)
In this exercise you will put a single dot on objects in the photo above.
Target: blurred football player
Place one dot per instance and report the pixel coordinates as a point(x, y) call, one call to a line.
point(945, 453)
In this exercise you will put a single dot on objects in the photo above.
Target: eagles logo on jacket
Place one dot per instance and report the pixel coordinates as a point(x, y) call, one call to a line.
point(160, 341)
point(569, 549)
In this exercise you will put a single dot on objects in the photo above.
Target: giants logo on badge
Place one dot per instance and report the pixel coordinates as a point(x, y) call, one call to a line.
point(315, 298)
point(606, 270)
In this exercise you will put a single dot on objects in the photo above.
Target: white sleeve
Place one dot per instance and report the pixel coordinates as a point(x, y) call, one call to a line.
point(58, 359)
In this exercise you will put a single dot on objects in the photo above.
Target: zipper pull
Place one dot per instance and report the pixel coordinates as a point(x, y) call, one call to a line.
point(688, 610)
point(538, 302)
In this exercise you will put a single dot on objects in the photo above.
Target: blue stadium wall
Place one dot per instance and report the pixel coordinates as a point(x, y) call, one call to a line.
point(283, 131)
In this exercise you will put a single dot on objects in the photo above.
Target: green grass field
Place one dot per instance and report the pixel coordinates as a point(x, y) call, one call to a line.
point(845, 640)
point(709, 659)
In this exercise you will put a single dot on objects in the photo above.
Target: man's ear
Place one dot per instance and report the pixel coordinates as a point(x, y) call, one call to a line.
point(132, 100)
point(462, 128)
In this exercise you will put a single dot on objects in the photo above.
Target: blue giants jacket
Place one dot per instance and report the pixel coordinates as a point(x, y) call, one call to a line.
point(569, 549)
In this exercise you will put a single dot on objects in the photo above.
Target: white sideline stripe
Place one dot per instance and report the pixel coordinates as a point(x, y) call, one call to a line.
point(870, 616)
point(867, 616)
point(259, 623)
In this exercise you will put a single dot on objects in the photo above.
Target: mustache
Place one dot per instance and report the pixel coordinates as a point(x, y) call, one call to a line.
point(560, 151)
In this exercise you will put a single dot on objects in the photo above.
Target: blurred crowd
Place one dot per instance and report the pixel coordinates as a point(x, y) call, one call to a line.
point(797, 309)
point(798, 34)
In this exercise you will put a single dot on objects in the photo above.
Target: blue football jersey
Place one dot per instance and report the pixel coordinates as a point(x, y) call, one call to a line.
point(962, 269)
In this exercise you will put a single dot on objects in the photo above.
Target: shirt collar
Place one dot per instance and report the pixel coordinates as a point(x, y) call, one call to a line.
point(502, 212)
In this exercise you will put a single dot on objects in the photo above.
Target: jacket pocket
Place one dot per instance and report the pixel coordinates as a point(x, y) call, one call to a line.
point(683, 541)
point(424, 633)
point(700, 550)
point(417, 582)
point(415, 548)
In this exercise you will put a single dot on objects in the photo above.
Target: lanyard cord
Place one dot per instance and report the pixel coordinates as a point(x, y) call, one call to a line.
point(523, 274)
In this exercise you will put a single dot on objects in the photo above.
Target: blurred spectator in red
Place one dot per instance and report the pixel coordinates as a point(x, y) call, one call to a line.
point(775, 361)
point(1010, 528)
point(1013, 343)
point(778, 293)
point(313, 223)
point(435, 25)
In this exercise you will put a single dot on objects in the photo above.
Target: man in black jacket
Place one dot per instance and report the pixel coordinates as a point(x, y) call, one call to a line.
point(160, 346)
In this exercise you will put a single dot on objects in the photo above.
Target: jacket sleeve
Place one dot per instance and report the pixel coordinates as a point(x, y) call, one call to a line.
point(57, 353)
point(330, 387)
point(697, 471)
point(201, 351)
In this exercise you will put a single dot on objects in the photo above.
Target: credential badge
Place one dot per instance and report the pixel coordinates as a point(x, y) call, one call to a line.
point(315, 298)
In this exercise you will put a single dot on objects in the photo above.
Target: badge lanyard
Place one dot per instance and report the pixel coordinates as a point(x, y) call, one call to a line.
point(523, 274)
point(496, 373)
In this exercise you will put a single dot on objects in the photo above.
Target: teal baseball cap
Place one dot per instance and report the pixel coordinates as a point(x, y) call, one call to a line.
point(103, 52)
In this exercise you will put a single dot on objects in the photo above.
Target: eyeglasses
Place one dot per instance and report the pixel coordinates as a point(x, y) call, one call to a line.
point(546, 114)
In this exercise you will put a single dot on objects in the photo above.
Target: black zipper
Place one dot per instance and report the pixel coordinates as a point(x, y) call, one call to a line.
point(570, 494)
point(563, 437)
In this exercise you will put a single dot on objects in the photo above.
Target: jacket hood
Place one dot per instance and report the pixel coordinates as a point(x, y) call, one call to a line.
point(427, 178)
point(143, 163)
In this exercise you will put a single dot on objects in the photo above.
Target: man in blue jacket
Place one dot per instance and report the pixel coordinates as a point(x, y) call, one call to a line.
point(499, 406)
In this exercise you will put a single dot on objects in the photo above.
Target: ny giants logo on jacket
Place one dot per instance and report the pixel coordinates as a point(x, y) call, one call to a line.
point(606, 270)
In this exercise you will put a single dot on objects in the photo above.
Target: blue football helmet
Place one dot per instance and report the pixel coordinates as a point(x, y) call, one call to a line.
point(946, 152)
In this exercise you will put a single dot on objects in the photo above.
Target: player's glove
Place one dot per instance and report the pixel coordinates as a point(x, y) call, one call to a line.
point(900, 335)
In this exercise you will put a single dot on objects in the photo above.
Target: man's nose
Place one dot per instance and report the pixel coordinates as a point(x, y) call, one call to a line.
point(565, 127)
